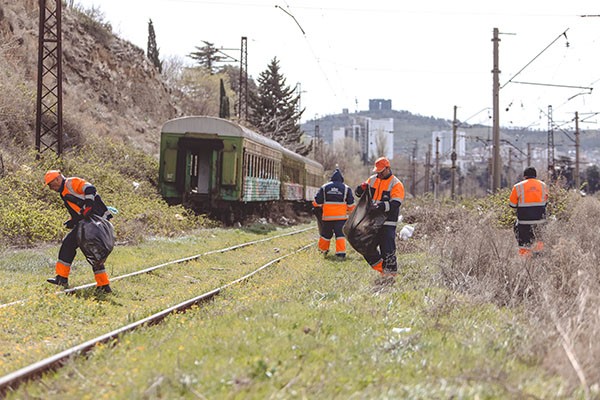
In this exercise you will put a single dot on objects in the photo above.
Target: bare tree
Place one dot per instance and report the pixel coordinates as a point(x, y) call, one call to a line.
point(381, 146)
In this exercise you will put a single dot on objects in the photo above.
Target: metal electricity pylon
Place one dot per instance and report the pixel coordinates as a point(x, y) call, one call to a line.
point(49, 124)
point(243, 99)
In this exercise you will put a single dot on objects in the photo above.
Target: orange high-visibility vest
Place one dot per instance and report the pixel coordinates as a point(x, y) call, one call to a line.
point(387, 191)
point(336, 203)
point(529, 197)
point(74, 193)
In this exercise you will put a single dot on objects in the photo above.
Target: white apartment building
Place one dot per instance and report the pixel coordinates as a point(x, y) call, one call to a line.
point(375, 137)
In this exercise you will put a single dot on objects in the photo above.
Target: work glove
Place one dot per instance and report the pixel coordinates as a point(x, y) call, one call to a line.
point(69, 224)
point(86, 211)
point(360, 189)
point(378, 206)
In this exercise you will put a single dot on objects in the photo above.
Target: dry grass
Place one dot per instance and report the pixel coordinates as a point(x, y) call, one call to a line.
point(557, 291)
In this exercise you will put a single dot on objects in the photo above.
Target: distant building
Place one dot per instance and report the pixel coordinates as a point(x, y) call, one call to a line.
point(379, 104)
point(375, 137)
point(445, 146)
point(381, 138)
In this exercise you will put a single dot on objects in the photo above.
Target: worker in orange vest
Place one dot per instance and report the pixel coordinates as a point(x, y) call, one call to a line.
point(81, 201)
point(387, 192)
point(336, 200)
point(529, 197)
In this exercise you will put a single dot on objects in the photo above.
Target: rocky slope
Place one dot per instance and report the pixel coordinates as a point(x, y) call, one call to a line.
point(110, 88)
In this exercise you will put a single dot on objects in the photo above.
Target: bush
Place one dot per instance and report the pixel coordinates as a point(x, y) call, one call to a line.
point(125, 178)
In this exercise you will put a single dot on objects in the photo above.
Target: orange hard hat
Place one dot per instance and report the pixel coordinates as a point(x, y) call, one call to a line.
point(381, 164)
point(51, 175)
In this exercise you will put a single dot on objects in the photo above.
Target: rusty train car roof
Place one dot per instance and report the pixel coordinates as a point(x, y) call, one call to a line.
point(223, 127)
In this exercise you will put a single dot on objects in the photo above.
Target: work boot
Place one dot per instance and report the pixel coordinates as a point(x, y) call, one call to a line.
point(59, 280)
point(340, 256)
point(103, 289)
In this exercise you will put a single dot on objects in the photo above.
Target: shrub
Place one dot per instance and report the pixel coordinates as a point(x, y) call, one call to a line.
point(125, 178)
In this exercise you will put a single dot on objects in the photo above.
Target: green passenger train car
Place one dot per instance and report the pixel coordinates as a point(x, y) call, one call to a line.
point(212, 164)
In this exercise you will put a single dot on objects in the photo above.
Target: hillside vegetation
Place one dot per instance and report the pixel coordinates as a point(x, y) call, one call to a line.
point(115, 103)
point(126, 179)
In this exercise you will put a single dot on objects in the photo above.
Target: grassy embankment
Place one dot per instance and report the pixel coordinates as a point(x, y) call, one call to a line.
point(317, 328)
point(306, 328)
point(467, 318)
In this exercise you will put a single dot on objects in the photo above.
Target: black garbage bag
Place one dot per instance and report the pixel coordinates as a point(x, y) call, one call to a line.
point(96, 239)
point(364, 225)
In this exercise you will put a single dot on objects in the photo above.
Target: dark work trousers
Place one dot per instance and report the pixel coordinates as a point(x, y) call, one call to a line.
point(68, 250)
point(333, 227)
point(387, 250)
point(525, 234)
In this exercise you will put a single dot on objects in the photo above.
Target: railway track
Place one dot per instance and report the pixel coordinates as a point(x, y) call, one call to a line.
point(166, 264)
point(44, 325)
point(14, 379)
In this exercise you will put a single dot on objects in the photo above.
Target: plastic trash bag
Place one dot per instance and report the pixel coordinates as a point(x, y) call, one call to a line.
point(96, 239)
point(406, 232)
point(363, 225)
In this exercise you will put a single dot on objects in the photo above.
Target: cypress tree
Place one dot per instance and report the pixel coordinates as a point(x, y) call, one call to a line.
point(152, 52)
point(223, 101)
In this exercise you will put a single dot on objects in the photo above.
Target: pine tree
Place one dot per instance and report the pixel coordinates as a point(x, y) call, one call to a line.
point(207, 56)
point(274, 110)
point(152, 51)
point(223, 101)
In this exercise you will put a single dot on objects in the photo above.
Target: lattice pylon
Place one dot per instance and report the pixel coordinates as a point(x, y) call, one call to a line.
point(48, 131)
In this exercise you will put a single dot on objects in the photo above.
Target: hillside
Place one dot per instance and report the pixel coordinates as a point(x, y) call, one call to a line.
point(110, 89)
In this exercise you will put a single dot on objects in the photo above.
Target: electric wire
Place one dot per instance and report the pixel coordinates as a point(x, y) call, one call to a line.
point(534, 58)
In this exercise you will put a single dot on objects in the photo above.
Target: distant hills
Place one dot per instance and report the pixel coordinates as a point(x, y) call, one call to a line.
point(411, 129)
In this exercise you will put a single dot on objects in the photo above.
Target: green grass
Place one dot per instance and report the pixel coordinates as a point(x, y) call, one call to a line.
point(48, 322)
point(307, 327)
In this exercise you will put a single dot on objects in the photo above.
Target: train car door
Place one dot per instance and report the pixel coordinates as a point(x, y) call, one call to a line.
point(203, 170)
point(194, 155)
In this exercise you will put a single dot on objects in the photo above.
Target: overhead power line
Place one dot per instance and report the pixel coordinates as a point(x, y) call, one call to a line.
point(294, 18)
point(534, 58)
point(554, 85)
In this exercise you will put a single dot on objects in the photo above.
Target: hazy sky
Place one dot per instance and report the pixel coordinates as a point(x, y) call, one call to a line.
point(426, 56)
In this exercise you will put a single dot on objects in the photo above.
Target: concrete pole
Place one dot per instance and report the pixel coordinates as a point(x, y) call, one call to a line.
point(427, 168)
point(413, 183)
point(496, 162)
point(436, 183)
point(509, 172)
point(453, 157)
point(577, 183)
